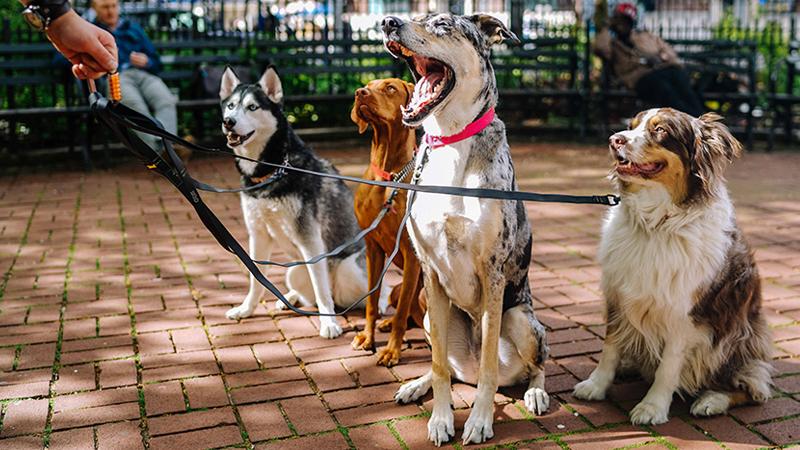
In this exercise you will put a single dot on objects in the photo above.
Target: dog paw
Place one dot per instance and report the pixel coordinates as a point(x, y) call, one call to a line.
point(388, 357)
point(363, 341)
point(646, 413)
point(239, 312)
point(330, 330)
point(711, 403)
point(385, 325)
point(412, 390)
point(588, 390)
point(537, 401)
point(440, 427)
point(292, 297)
point(478, 427)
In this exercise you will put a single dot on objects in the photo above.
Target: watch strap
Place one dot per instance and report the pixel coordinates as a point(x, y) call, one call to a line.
point(52, 9)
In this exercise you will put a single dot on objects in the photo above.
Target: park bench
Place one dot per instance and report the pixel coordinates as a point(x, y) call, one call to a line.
point(539, 78)
point(782, 104)
point(320, 77)
point(34, 91)
point(184, 63)
point(706, 61)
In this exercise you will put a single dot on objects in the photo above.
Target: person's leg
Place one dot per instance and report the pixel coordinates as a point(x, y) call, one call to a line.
point(653, 90)
point(132, 98)
point(683, 87)
point(669, 87)
point(161, 101)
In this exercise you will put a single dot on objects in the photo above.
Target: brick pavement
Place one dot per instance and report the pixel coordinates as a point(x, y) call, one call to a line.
point(113, 335)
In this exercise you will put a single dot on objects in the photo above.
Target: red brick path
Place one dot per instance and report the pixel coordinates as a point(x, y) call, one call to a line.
point(113, 335)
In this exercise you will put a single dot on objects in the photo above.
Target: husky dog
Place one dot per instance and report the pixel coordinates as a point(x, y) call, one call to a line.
point(474, 253)
point(305, 215)
point(683, 295)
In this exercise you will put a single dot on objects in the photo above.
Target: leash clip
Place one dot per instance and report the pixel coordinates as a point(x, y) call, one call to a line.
point(613, 200)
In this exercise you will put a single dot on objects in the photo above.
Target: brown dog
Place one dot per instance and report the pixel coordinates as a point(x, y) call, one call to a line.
point(378, 105)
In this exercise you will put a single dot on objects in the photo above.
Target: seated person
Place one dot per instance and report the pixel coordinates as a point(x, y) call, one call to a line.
point(645, 63)
point(139, 64)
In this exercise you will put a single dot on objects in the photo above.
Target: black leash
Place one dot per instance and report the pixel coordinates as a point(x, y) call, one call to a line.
point(121, 119)
point(148, 127)
point(116, 115)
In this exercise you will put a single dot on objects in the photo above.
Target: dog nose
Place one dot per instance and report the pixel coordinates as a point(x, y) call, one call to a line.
point(362, 92)
point(228, 123)
point(617, 141)
point(391, 23)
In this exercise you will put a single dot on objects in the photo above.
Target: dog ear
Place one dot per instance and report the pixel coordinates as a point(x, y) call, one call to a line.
point(271, 85)
point(714, 149)
point(228, 83)
point(494, 30)
point(409, 90)
point(362, 124)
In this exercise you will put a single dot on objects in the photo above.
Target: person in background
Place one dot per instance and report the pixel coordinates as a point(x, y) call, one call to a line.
point(139, 65)
point(645, 63)
point(91, 50)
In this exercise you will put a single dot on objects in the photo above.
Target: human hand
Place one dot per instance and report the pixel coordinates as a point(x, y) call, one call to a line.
point(91, 50)
point(139, 60)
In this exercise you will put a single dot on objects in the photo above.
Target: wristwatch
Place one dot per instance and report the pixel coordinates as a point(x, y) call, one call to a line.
point(41, 13)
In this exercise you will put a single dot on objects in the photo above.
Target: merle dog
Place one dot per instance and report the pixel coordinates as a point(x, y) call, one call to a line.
point(305, 215)
point(474, 253)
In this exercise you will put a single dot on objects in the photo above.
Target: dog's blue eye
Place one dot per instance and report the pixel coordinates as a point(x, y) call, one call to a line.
point(252, 107)
point(230, 106)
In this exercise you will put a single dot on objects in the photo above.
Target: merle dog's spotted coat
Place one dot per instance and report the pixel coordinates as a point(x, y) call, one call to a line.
point(475, 253)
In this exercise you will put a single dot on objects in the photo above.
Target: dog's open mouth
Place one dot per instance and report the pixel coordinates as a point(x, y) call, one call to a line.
point(433, 82)
point(645, 170)
point(235, 140)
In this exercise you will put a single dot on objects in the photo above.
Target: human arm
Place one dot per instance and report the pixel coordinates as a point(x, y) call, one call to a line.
point(147, 58)
point(91, 50)
point(602, 44)
point(666, 52)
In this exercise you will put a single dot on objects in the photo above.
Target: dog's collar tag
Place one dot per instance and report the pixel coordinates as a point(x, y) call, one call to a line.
point(471, 130)
point(386, 176)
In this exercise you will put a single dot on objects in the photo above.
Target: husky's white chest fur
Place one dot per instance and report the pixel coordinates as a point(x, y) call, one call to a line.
point(451, 233)
point(279, 217)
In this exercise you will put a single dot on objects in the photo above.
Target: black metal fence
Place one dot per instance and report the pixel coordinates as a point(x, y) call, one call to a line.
point(552, 81)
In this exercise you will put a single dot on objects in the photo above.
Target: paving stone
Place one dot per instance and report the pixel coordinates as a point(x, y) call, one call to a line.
point(684, 436)
point(211, 437)
point(782, 433)
point(374, 437)
point(307, 414)
point(117, 373)
point(617, 437)
point(79, 438)
point(206, 392)
point(274, 391)
point(726, 430)
point(24, 417)
point(264, 421)
point(332, 441)
point(374, 413)
point(162, 398)
point(76, 378)
point(119, 436)
point(194, 420)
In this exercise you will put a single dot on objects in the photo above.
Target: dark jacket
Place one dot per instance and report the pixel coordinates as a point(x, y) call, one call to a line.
point(131, 38)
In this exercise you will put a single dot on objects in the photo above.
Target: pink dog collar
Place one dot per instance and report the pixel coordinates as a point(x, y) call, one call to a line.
point(471, 130)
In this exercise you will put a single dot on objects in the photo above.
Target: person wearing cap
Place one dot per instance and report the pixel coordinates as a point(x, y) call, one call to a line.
point(645, 63)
